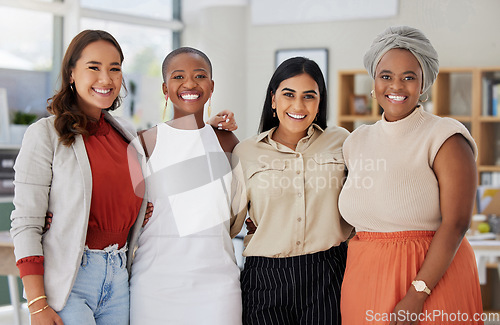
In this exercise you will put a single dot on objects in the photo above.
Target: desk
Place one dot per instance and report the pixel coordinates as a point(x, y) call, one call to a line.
point(8, 267)
point(486, 251)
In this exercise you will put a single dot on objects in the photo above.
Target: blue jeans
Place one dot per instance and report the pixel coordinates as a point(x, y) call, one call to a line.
point(100, 294)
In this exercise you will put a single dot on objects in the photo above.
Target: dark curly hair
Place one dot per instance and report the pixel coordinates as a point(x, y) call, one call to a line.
point(70, 120)
point(286, 70)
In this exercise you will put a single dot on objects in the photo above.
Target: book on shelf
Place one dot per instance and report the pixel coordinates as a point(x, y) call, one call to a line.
point(488, 199)
point(490, 178)
point(495, 95)
point(491, 95)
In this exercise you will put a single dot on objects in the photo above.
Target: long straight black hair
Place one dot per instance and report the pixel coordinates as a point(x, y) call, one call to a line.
point(289, 69)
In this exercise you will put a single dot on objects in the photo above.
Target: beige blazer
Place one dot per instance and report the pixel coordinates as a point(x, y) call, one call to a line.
point(52, 177)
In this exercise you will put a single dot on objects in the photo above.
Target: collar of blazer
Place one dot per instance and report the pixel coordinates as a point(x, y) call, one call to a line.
point(127, 130)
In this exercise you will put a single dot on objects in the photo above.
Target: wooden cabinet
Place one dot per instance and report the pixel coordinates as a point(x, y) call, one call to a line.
point(460, 93)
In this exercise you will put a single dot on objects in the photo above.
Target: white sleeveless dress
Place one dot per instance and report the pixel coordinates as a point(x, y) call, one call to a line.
point(185, 271)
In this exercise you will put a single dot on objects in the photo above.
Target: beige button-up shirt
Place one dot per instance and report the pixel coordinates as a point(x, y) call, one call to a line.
point(290, 195)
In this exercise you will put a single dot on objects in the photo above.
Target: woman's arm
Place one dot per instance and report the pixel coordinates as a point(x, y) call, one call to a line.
point(239, 198)
point(32, 181)
point(227, 140)
point(41, 314)
point(455, 170)
point(33, 175)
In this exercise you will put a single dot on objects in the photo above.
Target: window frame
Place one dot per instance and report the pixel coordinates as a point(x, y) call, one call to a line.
point(67, 15)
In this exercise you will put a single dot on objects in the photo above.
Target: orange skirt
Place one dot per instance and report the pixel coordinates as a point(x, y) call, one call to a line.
point(380, 269)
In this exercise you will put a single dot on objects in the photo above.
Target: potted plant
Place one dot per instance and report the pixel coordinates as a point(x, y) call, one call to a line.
point(20, 123)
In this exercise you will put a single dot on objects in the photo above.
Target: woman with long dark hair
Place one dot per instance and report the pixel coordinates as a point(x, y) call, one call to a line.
point(291, 174)
point(80, 164)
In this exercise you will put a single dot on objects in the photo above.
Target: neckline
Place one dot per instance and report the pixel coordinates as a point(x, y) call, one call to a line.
point(404, 125)
point(185, 130)
point(98, 128)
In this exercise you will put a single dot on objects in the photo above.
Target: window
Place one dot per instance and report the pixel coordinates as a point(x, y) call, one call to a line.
point(26, 53)
point(31, 53)
point(144, 49)
point(28, 45)
point(159, 9)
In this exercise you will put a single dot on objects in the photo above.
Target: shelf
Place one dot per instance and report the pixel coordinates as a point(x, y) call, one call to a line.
point(490, 168)
point(6, 199)
point(460, 118)
point(4, 146)
point(358, 118)
point(489, 119)
point(457, 70)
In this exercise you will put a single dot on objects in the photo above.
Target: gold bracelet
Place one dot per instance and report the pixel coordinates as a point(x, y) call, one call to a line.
point(35, 300)
point(39, 310)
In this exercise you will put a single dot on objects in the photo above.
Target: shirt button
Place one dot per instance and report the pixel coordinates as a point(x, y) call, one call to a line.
point(299, 219)
point(297, 155)
point(300, 194)
point(298, 172)
point(298, 242)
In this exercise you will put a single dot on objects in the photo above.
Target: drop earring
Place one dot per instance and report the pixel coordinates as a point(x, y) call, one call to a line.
point(166, 108)
point(426, 98)
point(72, 87)
point(372, 94)
point(209, 109)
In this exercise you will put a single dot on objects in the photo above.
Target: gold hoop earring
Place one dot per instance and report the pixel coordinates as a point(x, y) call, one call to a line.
point(426, 98)
point(372, 94)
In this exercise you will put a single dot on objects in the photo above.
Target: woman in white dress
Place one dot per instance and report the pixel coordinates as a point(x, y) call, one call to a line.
point(184, 271)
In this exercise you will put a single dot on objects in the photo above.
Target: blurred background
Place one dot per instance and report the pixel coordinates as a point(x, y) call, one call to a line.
point(245, 39)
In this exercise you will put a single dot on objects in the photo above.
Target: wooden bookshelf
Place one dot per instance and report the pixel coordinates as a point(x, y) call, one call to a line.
point(453, 85)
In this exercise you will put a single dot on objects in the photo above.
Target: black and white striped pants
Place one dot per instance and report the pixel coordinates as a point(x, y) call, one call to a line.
point(294, 290)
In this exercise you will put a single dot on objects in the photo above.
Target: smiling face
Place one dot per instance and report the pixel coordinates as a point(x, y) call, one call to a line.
point(189, 84)
point(296, 102)
point(398, 83)
point(97, 77)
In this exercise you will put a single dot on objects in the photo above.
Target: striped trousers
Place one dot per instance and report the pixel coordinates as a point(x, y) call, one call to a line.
point(294, 290)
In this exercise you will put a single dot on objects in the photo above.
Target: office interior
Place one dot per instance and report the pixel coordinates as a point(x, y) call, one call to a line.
point(244, 40)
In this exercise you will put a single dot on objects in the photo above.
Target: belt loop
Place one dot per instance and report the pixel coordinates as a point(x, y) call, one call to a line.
point(124, 259)
point(84, 258)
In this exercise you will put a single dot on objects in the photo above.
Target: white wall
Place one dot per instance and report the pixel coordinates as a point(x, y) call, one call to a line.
point(464, 32)
point(220, 32)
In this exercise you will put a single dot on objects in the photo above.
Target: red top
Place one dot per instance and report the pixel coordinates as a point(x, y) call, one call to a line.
point(114, 205)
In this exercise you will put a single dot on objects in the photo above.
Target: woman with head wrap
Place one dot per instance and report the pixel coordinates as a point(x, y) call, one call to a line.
point(409, 194)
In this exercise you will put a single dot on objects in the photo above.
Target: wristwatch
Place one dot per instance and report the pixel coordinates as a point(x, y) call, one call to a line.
point(421, 286)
